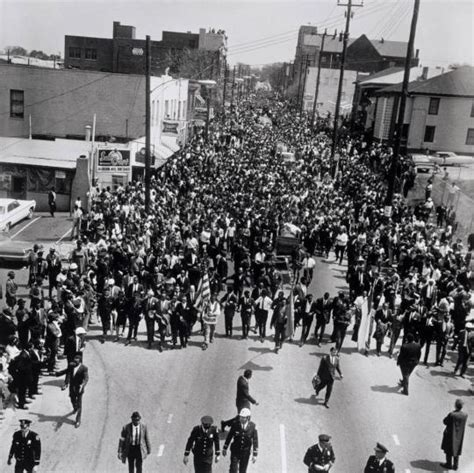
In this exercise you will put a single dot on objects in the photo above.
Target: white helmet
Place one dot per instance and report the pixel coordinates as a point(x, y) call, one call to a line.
point(245, 412)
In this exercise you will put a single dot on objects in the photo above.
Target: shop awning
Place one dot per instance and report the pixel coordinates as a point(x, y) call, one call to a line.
point(170, 142)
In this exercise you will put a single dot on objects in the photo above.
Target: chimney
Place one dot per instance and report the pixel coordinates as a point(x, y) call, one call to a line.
point(88, 129)
point(424, 74)
point(417, 53)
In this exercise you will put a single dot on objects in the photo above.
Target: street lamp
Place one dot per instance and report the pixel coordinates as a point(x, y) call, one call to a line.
point(208, 85)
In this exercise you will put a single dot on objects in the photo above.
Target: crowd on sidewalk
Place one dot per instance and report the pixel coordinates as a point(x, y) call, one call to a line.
point(206, 249)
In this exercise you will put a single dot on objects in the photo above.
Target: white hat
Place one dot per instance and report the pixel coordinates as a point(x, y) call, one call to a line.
point(111, 282)
point(73, 266)
point(80, 331)
point(245, 412)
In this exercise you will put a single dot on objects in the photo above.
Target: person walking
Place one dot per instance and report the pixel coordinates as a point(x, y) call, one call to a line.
point(453, 435)
point(26, 448)
point(77, 376)
point(263, 305)
point(52, 201)
point(210, 314)
point(134, 444)
point(379, 463)
point(408, 358)
point(243, 397)
point(308, 309)
point(279, 320)
point(204, 443)
point(244, 437)
point(327, 372)
point(320, 456)
point(11, 288)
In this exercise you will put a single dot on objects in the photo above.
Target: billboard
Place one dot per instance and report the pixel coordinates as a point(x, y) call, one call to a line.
point(170, 127)
point(113, 160)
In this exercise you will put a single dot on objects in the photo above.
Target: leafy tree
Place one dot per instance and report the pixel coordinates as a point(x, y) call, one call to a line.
point(17, 50)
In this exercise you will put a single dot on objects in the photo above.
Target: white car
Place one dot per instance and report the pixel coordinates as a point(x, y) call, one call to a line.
point(422, 163)
point(448, 158)
point(13, 211)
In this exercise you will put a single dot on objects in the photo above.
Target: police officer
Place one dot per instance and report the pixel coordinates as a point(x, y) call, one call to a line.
point(203, 440)
point(320, 457)
point(245, 439)
point(378, 463)
point(26, 448)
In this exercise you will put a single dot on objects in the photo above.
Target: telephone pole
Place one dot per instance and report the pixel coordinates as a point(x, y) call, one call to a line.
point(226, 71)
point(306, 65)
point(233, 88)
point(393, 174)
point(147, 124)
point(349, 6)
point(316, 93)
point(299, 85)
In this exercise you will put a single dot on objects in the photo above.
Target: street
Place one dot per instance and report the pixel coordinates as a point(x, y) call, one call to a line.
point(173, 389)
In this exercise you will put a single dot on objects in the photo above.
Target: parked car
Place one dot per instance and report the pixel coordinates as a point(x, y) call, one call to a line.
point(13, 211)
point(422, 163)
point(13, 251)
point(448, 158)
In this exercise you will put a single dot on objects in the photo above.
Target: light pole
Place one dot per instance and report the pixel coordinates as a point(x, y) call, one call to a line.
point(209, 86)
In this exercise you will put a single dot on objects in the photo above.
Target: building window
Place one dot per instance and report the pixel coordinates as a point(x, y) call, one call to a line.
point(17, 103)
point(472, 109)
point(324, 59)
point(75, 52)
point(405, 131)
point(91, 53)
point(179, 110)
point(184, 109)
point(118, 180)
point(429, 134)
point(434, 106)
point(470, 136)
point(167, 109)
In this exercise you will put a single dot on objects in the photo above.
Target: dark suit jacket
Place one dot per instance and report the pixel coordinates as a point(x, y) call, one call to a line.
point(243, 399)
point(453, 435)
point(409, 355)
point(315, 455)
point(203, 444)
point(77, 381)
point(244, 440)
point(373, 466)
point(126, 439)
point(327, 370)
point(27, 449)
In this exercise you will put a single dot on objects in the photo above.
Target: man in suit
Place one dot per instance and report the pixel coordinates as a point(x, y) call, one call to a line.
point(11, 288)
point(429, 294)
point(243, 397)
point(444, 329)
point(408, 358)
point(77, 376)
point(279, 319)
point(244, 437)
point(149, 310)
point(203, 442)
point(307, 310)
point(134, 444)
point(320, 456)
point(378, 463)
point(453, 435)
point(327, 372)
point(75, 344)
point(246, 304)
point(26, 448)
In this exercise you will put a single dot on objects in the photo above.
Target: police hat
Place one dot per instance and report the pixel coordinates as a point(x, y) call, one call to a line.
point(381, 448)
point(25, 421)
point(207, 420)
point(324, 438)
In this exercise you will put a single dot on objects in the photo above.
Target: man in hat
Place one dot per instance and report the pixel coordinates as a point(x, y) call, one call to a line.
point(203, 442)
point(75, 344)
point(77, 376)
point(134, 444)
point(320, 456)
point(26, 448)
point(453, 435)
point(245, 441)
point(11, 288)
point(378, 463)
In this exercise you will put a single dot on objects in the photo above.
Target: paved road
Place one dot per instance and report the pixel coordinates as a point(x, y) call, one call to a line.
point(173, 389)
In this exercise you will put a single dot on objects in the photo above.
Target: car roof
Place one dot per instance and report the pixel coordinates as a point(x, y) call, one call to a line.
point(6, 201)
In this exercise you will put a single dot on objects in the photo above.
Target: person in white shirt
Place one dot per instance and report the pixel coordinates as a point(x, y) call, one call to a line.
point(263, 306)
point(211, 312)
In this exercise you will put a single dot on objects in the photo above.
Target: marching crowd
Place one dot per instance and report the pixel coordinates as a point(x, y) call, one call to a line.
point(207, 249)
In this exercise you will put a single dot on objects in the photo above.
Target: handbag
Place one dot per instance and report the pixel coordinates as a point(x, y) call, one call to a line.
point(316, 381)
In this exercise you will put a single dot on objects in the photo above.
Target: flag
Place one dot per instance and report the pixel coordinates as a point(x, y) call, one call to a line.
point(290, 316)
point(203, 292)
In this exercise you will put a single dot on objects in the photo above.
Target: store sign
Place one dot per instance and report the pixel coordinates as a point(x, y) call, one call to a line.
point(170, 127)
point(113, 160)
point(200, 113)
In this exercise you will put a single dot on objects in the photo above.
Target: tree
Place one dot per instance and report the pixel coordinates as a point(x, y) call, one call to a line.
point(17, 50)
point(38, 54)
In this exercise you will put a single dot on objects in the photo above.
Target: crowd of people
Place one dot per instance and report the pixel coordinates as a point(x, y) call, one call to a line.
point(206, 248)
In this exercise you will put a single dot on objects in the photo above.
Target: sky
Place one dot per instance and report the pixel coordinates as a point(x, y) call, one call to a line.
point(259, 31)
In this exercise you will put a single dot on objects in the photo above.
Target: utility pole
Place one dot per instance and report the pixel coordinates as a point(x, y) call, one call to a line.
point(393, 174)
point(299, 85)
point(147, 124)
point(233, 89)
point(349, 6)
point(306, 65)
point(225, 90)
point(316, 92)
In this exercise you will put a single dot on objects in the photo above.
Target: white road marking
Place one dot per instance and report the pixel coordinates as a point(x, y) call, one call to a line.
point(395, 439)
point(407, 470)
point(170, 417)
point(283, 449)
point(26, 226)
point(160, 450)
point(65, 235)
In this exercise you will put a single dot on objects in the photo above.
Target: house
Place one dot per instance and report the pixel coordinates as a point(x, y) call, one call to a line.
point(439, 113)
